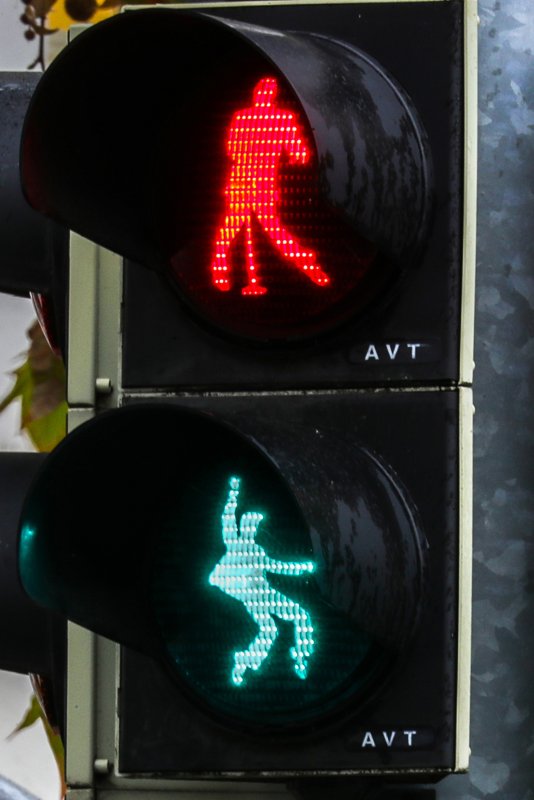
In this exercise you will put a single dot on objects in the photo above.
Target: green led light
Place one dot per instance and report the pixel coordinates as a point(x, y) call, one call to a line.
point(33, 566)
point(253, 596)
point(241, 574)
point(27, 562)
point(27, 538)
point(249, 619)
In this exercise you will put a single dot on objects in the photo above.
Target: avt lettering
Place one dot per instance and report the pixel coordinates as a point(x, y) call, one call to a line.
point(375, 740)
point(396, 352)
point(407, 737)
point(391, 351)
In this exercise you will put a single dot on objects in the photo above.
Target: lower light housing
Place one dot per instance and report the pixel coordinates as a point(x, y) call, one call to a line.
point(258, 607)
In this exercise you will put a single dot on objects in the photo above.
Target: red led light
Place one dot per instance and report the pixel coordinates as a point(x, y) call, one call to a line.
point(259, 138)
point(255, 247)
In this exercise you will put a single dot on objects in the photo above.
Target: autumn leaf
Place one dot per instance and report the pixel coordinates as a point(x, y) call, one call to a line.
point(34, 713)
point(65, 13)
point(40, 385)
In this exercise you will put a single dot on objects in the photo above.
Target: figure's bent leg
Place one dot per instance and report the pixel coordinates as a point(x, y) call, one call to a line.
point(258, 650)
point(304, 642)
point(254, 286)
point(291, 249)
point(219, 265)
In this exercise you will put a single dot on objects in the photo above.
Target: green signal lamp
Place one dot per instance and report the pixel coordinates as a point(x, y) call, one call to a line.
point(168, 531)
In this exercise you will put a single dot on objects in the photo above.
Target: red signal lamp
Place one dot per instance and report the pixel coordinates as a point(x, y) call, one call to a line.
point(258, 139)
point(283, 193)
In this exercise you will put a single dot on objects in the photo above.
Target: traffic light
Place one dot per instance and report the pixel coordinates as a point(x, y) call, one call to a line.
point(33, 251)
point(273, 521)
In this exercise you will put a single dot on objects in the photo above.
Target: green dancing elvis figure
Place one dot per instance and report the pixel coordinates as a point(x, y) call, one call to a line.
point(242, 573)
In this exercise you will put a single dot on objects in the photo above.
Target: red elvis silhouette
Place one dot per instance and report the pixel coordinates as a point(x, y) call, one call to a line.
point(258, 138)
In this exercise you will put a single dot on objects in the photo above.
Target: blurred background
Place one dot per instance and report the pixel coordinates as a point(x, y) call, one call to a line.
point(25, 757)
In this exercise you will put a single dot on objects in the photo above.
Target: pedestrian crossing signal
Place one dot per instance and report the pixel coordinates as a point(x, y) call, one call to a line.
point(283, 550)
point(215, 569)
point(259, 139)
point(281, 201)
point(243, 573)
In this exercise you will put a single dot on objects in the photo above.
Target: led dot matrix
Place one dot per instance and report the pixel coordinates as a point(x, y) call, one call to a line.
point(258, 138)
point(241, 574)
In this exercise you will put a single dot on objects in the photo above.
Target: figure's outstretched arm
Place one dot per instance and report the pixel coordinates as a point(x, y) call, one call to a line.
point(289, 567)
point(248, 526)
point(229, 524)
point(297, 146)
